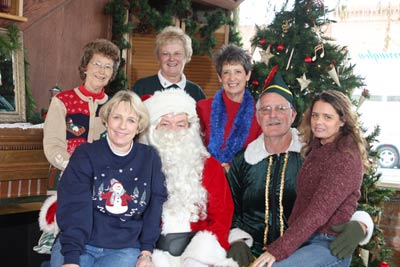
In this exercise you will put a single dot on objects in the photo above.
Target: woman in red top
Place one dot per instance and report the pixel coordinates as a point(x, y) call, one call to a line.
point(228, 119)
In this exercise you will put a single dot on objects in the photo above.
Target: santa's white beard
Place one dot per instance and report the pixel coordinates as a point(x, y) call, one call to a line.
point(182, 155)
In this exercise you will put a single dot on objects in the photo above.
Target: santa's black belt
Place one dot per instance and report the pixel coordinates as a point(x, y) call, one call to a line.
point(174, 243)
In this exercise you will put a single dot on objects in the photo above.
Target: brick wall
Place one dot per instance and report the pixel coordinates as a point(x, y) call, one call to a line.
point(390, 224)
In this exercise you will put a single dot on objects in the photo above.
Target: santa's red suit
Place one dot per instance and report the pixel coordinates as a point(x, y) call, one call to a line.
point(209, 245)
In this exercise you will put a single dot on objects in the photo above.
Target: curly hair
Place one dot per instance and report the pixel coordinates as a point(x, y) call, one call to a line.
point(343, 107)
point(171, 34)
point(99, 46)
point(232, 54)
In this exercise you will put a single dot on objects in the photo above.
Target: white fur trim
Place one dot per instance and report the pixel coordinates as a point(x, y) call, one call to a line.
point(236, 234)
point(256, 152)
point(44, 226)
point(204, 248)
point(164, 259)
point(365, 218)
point(170, 101)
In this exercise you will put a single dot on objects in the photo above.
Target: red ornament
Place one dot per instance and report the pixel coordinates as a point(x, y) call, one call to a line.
point(365, 92)
point(384, 264)
point(255, 83)
point(307, 59)
point(262, 41)
point(280, 47)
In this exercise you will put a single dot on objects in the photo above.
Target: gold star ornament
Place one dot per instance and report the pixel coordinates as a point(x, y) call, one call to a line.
point(303, 81)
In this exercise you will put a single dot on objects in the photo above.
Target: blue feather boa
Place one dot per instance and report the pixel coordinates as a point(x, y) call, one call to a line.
point(239, 131)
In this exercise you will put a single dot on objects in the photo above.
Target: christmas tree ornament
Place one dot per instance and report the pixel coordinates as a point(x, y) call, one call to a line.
point(303, 81)
point(285, 27)
point(266, 55)
point(317, 30)
point(255, 83)
point(252, 50)
point(290, 59)
point(375, 253)
point(307, 59)
point(333, 74)
point(319, 48)
point(364, 95)
point(262, 41)
point(344, 52)
point(364, 255)
point(280, 47)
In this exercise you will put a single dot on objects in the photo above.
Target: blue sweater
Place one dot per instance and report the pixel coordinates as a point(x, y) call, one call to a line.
point(110, 201)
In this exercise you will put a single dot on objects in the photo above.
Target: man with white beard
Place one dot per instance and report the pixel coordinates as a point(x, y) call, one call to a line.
point(197, 215)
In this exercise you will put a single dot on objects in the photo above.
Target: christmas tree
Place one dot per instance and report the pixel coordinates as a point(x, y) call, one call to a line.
point(311, 62)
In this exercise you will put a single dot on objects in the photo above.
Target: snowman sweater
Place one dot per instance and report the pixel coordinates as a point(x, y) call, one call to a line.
point(110, 201)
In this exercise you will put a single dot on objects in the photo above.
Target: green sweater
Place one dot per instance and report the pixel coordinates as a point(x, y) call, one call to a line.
point(247, 181)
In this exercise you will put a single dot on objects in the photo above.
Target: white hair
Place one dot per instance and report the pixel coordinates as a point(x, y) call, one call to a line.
point(183, 155)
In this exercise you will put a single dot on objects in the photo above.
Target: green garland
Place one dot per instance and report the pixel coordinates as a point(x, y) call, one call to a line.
point(139, 16)
point(8, 44)
point(10, 41)
point(143, 18)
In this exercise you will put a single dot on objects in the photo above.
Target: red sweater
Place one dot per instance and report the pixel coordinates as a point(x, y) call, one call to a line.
point(232, 108)
point(328, 188)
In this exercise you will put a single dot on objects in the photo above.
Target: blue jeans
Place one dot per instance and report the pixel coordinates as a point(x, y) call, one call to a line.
point(314, 253)
point(98, 257)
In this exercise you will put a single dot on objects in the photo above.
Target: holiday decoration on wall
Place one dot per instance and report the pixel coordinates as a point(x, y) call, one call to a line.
point(145, 16)
point(310, 62)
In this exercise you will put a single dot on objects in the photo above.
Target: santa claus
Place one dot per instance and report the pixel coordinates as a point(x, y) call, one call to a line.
point(197, 216)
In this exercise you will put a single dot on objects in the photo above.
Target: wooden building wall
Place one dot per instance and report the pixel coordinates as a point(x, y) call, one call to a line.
point(54, 36)
point(57, 30)
point(200, 69)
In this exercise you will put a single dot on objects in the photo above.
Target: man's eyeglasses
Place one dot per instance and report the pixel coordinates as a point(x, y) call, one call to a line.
point(98, 66)
point(266, 110)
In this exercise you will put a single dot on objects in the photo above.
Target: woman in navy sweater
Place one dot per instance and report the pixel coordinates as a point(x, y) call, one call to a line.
point(111, 194)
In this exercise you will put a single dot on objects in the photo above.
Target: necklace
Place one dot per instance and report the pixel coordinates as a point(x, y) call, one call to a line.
point(282, 186)
point(240, 129)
